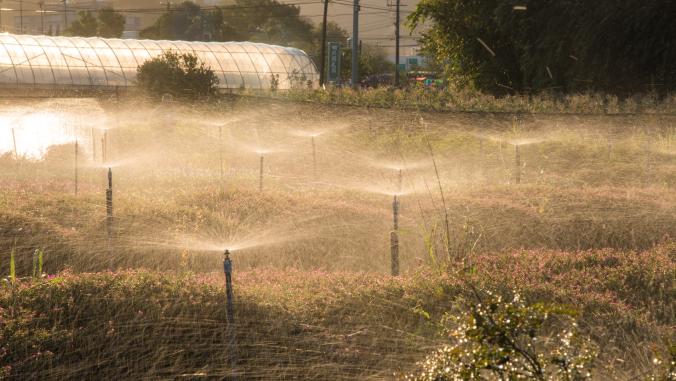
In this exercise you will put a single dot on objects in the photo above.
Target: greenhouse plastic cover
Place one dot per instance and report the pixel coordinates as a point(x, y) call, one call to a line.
point(62, 62)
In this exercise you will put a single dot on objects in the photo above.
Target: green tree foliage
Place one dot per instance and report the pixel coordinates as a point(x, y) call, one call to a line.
point(567, 45)
point(372, 60)
point(246, 20)
point(104, 23)
point(86, 25)
point(190, 23)
point(496, 338)
point(273, 23)
point(181, 75)
point(111, 23)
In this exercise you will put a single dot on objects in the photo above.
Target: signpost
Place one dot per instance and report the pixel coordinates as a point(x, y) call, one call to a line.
point(334, 62)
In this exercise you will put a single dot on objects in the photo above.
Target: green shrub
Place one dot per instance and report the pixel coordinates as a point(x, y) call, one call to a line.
point(496, 338)
point(180, 75)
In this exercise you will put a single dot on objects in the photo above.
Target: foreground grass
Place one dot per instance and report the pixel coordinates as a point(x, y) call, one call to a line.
point(315, 325)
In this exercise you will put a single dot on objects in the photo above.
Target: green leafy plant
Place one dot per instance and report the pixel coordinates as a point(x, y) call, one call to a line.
point(180, 75)
point(497, 338)
point(12, 265)
point(37, 263)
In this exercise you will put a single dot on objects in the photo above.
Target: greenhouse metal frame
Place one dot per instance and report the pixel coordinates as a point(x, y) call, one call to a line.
point(77, 62)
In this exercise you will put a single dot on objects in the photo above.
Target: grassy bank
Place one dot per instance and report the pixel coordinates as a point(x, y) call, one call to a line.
point(316, 325)
point(428, 99)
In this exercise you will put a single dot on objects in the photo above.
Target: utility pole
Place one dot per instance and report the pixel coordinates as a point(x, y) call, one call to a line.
point(41, 3)
point(355, 45)
point(322, 68)
point(396, 53)
point(65, 14)
point(21, 15)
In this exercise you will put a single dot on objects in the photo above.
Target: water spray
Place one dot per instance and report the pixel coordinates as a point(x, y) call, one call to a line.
point(260, 175)
point(230, 309)
point(517, 162)
point(109, 205)
point(394, 237)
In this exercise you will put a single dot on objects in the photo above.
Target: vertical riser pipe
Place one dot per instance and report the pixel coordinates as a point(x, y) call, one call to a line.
point(109, 205)
point(260, 174)
point(394, 238)
point(517, 165)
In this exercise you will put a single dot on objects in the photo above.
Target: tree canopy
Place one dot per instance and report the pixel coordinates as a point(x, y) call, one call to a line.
point(104, 23)
point(506, 46)
point(246, 20)
point(180, 75)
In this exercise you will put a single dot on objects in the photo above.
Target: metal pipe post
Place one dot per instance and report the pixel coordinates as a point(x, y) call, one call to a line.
point(104, 146)
point(314, 158)
point(400, 181)
point(260, 176)
point(109, 204)
point(394, 238)
point(93, 146)
point(230, 310)
point(517, 155)
point(227, 269)
point(220, 150)
point(16, 153)
point(76, 177)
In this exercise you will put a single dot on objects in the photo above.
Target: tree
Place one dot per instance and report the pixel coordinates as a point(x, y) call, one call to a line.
point(247, 20)
point(110, 23)
point(86, 25)
point(181, 75)
point(372, 61)
point(106, 23)
point(563, 45)
point(189, 22)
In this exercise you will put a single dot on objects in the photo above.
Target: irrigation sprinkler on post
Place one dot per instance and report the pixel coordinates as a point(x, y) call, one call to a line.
point(16, 153)
point(260, 175)
point(104, 146)
point(109, 206)
point(220, 150)
point(75, 165)
point(394, 237)
point(314, 158)
point(227, 269)
point(93, 146)
point(230, 309)
point(517, 162)
point(400, 180)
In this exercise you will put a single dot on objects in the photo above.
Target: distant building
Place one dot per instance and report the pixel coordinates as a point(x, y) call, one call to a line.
point(409, 63)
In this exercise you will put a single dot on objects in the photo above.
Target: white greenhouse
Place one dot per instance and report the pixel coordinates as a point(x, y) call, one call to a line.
point(47, 62)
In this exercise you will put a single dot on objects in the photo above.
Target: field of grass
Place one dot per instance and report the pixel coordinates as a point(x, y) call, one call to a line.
point(590, 225)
